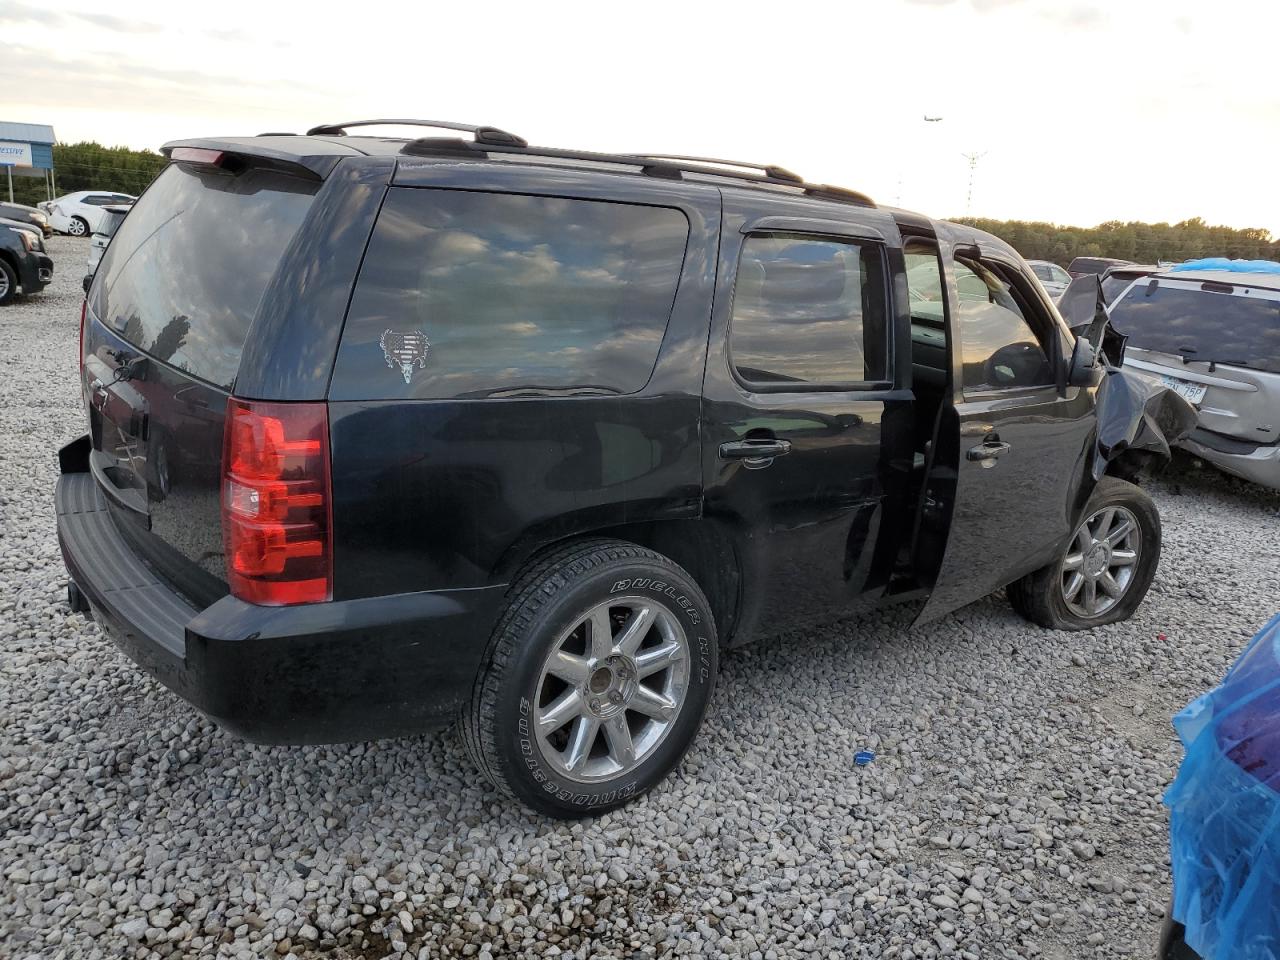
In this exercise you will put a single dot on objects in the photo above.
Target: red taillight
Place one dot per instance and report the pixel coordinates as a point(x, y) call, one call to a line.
point(276, 517)
point(196, 155)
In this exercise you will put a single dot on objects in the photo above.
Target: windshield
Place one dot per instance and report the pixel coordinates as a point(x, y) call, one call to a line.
point(1202, 324)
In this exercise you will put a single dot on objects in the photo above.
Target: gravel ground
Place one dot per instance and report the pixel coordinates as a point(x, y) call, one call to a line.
point(1013, 809)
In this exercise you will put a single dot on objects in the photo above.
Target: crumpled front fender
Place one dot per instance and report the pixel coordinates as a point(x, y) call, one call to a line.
point(1137, 414)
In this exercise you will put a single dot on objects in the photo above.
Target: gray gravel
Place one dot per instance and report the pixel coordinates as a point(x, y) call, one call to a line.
point(1013, 809)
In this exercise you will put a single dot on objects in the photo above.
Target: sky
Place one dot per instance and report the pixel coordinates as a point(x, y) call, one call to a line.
point(1081, 111)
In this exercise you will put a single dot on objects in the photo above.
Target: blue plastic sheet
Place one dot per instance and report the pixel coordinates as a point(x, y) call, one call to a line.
point(1224, 807)
point(1233, 266)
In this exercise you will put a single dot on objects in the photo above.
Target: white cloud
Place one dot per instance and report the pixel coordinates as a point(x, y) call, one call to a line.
point(1086, 111)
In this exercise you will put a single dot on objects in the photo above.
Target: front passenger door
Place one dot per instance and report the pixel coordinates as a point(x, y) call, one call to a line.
point(1009, 472)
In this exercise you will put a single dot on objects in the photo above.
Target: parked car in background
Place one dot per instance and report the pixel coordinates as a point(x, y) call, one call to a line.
point(1213, 335)
point(1115, 279)
point(23, 261)
point(30, 215)
point(1052, 277)
point(1224, 815)
point(110, 221)
point(530, 437)
point(1083, 266)
point(78, 213)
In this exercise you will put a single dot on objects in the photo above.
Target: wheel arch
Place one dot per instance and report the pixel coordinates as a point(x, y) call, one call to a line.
point(708, 550)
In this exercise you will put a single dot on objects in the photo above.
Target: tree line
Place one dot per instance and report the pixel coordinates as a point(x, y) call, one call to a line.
point(1139, 242)
point(91, 166)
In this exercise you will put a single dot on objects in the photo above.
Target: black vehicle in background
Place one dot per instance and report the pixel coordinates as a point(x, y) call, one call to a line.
point(29, 215)
point(383, 432)
point(24, 265)
point(1084, 266)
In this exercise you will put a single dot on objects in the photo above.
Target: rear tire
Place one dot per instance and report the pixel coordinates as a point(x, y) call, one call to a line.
point(1059, 595)
point(8, 283)
point(597, 678)
point(78, 227)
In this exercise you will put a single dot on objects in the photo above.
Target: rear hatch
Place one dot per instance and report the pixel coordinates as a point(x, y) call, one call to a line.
point(1216, 343)
point(171, 304)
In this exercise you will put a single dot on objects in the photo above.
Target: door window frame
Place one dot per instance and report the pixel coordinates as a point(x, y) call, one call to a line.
point(1039, 319)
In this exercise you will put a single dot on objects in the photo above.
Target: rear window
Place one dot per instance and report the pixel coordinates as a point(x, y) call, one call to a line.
point(1201, 324)
point(1091, 264)
point(468, 294)
point(183, 277)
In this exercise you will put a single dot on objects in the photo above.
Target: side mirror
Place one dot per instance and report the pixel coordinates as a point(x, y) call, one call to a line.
point(1082, 370)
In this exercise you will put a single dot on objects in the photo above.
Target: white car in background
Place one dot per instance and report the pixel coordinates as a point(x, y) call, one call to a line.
point(79, 213)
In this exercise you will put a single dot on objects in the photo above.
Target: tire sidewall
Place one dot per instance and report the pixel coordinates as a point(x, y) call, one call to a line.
point(530, 775)
point(1123, 494)
point(11, 293)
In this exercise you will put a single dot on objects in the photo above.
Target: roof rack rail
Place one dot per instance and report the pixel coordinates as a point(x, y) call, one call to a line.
point(663, 166)
point(490, 136)
point(773, 171)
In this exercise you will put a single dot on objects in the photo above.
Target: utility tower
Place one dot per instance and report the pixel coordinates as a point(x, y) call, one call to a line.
point(973, 159)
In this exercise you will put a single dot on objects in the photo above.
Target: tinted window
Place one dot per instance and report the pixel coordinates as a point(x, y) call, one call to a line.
point(924, 285)
point(998, 347)
point(183, 277)
point(808, 311)
point(466, 294)
point(1113, 286)
point(1205, 325)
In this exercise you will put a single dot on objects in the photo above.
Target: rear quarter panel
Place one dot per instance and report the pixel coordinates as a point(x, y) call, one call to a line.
point(446, 494)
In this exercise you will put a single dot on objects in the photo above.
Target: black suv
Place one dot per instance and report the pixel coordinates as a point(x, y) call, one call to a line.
point(384, 432)
point(24, 264)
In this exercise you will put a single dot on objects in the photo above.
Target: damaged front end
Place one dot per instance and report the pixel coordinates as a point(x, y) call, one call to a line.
point(1139, 419)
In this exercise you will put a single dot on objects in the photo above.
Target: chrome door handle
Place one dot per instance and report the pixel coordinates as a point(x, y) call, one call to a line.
point(986, 453)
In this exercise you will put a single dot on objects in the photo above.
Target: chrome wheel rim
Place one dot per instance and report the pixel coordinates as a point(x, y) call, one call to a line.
point(76, 228)
point(1101, 562)
point(611, 688)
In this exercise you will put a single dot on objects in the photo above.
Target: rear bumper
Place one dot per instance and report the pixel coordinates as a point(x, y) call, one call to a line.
point(1258, 464)
point(316, 673)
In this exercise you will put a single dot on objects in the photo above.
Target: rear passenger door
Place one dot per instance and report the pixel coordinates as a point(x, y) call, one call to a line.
point(800, 398)
point(1009, 471)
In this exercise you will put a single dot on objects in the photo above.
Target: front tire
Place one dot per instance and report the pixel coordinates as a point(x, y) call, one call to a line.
point(599, 673)
point(78, 227)
point(1105, 570)
point(8, 283)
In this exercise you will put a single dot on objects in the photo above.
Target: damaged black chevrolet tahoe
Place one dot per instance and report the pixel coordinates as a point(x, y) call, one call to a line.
point(385, 432)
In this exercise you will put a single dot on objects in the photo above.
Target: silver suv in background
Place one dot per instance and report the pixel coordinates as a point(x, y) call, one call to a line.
point(1213, 336)
point(1052, 277)
point(109, 222)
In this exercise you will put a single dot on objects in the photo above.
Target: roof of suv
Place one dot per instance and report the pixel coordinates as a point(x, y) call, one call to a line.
point(321, 148)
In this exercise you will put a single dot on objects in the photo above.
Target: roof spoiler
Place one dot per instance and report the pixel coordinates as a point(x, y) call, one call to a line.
point(235, 156)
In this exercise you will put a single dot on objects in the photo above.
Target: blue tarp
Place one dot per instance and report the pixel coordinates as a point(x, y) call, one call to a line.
point(1224, 830)
point(1233, 266)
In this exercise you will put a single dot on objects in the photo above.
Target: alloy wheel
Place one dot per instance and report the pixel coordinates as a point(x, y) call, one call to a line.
point(1101, 561)
point(611, 688)
point(4, 284)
